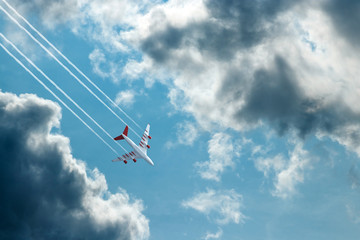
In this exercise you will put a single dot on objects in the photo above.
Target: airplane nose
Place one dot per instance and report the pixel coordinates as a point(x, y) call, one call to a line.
point(151, 162)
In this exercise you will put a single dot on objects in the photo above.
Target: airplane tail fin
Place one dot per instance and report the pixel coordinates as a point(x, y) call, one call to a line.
point(125, 133)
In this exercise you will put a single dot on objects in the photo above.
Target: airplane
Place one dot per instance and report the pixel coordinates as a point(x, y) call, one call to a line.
point(139, 151)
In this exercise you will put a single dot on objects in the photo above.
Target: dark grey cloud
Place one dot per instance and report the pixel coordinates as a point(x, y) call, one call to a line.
point(274, 96)
point(246, 20)
point(345, 16)
point(159, 45)
point(232, 25)
point(271, 94)
point(46, 193)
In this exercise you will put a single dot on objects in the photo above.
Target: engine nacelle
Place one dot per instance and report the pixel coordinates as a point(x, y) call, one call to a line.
point(125, 161)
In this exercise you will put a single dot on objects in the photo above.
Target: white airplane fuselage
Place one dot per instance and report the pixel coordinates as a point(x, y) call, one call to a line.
point(137, 150)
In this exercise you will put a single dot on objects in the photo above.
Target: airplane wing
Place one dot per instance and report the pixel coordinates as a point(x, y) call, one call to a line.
point(144, 139)
point(127, 157)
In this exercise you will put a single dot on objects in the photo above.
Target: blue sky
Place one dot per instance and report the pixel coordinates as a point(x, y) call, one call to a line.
point(254, 115)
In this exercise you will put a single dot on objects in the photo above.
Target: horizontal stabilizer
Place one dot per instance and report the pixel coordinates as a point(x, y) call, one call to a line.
point(125, 133)
point(119, 137)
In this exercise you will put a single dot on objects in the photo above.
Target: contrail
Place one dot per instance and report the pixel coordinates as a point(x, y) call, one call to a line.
point(66, 68)
point(68, 61)
point(52, 93)
point(58, 88)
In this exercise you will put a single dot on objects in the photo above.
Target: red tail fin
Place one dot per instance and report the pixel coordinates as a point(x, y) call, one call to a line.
point(126, 130)
point(125, 133)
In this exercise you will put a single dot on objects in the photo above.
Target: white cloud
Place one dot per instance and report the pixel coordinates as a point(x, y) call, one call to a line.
point(266, 165)
point(184, 45)
point(177, 13)
point(97, 59)
point(134, 70)
point(101, 21)
point(221, 151)
point(214, 87)
point(104, 67)
point(187, 133)
point(293, 174)
point(215, 90)
point(288, 173)
point(125, 98)
point(222, 206)
point(52, 13)
point(216, 235)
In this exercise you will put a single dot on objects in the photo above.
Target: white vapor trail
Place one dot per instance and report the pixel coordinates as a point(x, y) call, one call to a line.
point(52, 93)
point(66, 68)
point(68, 61)
point(58, 88)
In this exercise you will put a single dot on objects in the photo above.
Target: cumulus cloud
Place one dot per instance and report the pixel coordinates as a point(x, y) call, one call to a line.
point(221, 151)
point(222, 206)
point(187, 133)
point(98, 60)
point(266, 165)
point(344, 16)
point(288, 172)
point(45, 192)
point(125, 98)
point(52, 13)
point(216, 235)
point(237, 64)
point(241, 64)
point(222, 28)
